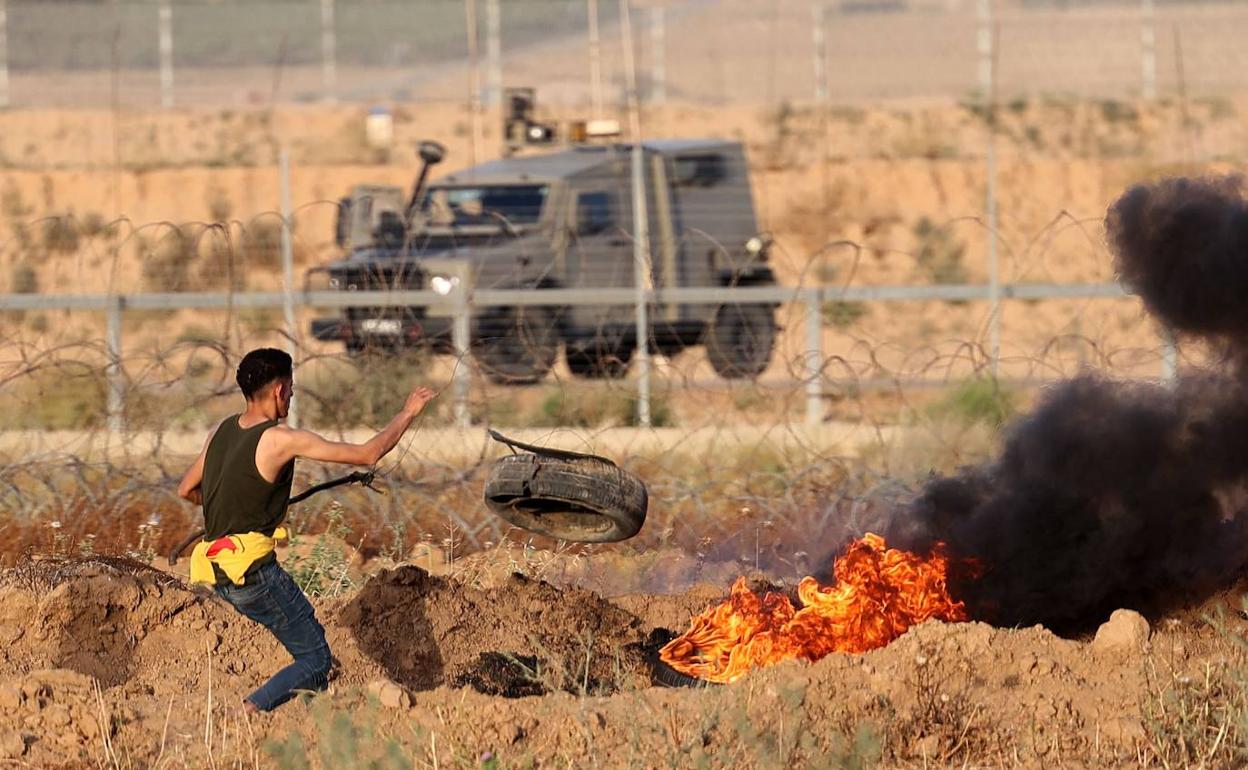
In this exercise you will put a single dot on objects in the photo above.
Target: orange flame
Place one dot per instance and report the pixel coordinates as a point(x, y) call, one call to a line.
point(879, 593)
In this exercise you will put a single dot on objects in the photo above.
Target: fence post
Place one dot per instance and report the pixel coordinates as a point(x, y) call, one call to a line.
point(329, 52)
point(166, 53)
point(474, 77)
point(493, 54)
point(821, 51)
point(814, 358)
point(461, 340)
point(658, 56)
point(1169, 355)
point(641, 223)
point(1148, 50)
point(288, 270)
point(595, 59)
point(988, 85)
point(4, 54)
point(113, 373)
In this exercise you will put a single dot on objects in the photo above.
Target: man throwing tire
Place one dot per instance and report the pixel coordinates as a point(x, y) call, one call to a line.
point(242, 478)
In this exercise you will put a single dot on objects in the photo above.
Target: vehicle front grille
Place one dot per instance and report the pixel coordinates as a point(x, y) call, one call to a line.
point(382, 278)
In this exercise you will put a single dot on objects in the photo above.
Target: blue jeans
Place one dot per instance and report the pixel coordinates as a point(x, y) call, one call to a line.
point(272, 599)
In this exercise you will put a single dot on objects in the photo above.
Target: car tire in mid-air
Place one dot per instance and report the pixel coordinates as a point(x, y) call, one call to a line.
point(517, 346)
point(741, 339)
point(581, 499)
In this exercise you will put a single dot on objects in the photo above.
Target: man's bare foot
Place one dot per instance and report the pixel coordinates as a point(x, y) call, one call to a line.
point(250, 708)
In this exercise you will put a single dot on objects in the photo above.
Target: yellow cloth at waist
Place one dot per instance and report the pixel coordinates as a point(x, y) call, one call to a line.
point(234, 554)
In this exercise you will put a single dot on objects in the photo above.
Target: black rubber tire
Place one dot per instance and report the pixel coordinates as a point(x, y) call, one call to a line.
point(740, 341)
point(578, 499)
point(665, 676)
point(517, 346)
point(601, 362)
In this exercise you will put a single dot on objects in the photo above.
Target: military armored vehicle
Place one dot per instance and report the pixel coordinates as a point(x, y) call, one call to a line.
point(562, 219)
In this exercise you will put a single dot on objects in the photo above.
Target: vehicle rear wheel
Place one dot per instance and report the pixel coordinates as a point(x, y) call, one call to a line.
point(601, 360)
point(517, 346)
point(741, 339)
point(583, 499)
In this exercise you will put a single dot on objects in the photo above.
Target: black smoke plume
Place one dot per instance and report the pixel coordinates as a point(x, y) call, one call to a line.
point(1110, 493)
point(1182, 245)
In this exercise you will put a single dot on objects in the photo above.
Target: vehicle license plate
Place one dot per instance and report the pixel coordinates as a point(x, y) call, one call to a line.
point(381, 326)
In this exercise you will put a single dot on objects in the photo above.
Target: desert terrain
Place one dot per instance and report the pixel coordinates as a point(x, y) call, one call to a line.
point(462, 643)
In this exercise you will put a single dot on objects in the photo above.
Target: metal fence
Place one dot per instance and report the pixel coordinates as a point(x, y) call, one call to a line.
point(80, 265)
point(223, 52)
point(815, 361)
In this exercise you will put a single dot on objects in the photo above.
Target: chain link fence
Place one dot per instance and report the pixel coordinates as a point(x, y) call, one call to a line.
point(228, 52)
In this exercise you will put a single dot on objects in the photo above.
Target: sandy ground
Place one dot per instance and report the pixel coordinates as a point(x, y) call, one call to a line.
point(453, 446)
point(107, 662)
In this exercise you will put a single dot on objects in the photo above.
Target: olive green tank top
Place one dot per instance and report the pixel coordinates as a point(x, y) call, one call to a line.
point(237, 498)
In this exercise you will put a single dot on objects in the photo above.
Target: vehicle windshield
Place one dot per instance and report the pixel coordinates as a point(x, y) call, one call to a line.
point(491, 205)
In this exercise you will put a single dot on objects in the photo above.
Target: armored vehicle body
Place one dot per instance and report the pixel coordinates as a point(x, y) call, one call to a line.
point(561, 220)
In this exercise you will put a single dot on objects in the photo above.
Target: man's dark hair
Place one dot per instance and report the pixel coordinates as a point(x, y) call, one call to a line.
point(262, 367)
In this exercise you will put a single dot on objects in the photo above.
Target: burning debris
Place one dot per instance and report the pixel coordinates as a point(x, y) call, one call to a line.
point(879, 593)
point(1110, 494)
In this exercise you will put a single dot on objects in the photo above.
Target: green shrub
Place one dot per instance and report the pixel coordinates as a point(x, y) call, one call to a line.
point(843, 314)
point(262, 243)
point(56, 400)
point(93, 225)
point(368, 390)
point(1198, 716)
point(24, 279)
point(219, 206)
point(1114, 111)
point(596, 407)
point(11, 203)
point(323, 571)
point(167, 260)
point(977, 400)
point(345, 740)
point(60, 235)
point(219, 264)
point(938, 252)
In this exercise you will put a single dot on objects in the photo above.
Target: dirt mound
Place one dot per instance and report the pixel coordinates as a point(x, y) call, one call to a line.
point(91, 616)
point(523, 637)
point(99, 656)
point(46, 573)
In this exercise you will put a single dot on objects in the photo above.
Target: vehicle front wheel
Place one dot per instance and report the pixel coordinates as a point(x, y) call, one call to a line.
point(517, 346)
point(741, 339)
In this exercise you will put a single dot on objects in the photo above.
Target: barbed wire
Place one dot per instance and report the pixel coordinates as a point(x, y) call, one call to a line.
point(735, 472)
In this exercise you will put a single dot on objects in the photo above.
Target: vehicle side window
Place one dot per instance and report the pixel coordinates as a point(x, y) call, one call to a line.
point(698, 170)
point(593, 213)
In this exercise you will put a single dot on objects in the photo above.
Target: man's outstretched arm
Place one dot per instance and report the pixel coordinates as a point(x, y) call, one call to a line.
point(308, 445)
